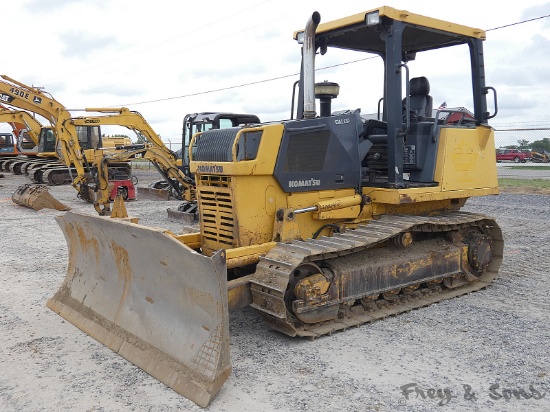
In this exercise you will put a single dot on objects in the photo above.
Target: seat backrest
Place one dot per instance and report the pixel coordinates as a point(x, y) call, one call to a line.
point(421, 101)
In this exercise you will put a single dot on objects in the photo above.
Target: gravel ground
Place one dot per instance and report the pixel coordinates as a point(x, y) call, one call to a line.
point(487, 351)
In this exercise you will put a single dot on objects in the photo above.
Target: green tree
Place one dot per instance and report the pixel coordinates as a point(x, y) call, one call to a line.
point(523, 143)
point(540, 145)
point(140, 139)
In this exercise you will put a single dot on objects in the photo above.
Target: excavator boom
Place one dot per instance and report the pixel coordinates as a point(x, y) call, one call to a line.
point(26, 130)
point(21, 120)
point(37, 101)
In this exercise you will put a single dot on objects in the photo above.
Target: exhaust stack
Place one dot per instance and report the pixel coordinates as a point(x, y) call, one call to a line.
point(309, 65)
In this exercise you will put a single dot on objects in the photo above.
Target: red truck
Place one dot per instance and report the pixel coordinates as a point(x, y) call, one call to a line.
point(514, 155)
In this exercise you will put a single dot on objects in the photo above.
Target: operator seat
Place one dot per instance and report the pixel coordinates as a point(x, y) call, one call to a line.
point(421, 101)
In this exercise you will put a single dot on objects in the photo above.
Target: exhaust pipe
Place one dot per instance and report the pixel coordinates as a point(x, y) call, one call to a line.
point(309, 65)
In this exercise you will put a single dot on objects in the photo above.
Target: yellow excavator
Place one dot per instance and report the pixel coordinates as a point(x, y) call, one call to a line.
point(154, 150)
point(76, 146)
point(42, 139)
point(50, 168)
point(322, 222)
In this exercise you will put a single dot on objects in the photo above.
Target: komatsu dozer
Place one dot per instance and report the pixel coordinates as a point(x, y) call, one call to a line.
point(321, 222)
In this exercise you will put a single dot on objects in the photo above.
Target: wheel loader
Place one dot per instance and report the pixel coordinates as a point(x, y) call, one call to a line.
point(322, 222)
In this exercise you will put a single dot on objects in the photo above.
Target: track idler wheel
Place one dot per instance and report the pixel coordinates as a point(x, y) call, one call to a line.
point(312, 295)
point(480, 251)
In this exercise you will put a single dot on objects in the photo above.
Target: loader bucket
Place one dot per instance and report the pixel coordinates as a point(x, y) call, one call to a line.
point(151, 299)
point(36, 197)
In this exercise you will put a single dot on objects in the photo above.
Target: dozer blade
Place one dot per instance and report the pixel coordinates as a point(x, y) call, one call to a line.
point(36, 197)
point(151, 299)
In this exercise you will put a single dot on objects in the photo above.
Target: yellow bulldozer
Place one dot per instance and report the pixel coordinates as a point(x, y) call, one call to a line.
point(321, 222)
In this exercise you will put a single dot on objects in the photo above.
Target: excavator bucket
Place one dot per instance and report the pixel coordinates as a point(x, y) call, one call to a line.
point(36, 197)
point(151, 299)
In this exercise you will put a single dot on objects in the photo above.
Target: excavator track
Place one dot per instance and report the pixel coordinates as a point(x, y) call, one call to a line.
point(273, 277)
point(55, 175)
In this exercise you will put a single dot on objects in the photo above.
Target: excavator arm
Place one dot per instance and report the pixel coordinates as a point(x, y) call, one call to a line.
point(37, 101)
point(21, 120)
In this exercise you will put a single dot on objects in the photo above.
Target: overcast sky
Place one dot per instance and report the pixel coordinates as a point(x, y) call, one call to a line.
point(166, 58)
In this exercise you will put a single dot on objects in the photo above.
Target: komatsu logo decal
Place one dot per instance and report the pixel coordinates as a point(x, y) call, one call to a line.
point(304, 183)
point(210, 169)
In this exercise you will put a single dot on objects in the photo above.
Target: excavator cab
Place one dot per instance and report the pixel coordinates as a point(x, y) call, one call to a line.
point(46, 142)
point(89, 138)
point(25, 144)
point(7, 145)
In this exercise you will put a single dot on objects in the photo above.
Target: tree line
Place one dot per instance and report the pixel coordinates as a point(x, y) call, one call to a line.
point(535, 146)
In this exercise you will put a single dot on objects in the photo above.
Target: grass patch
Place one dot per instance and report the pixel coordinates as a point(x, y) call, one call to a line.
point(529, 167)
point(526, 186)
point(539, 183)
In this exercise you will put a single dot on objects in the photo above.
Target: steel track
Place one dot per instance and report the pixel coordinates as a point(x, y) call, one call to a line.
point(274, 270)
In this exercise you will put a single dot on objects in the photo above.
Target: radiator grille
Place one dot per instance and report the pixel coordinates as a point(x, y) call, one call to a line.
point(216, 210)
point(214, 145)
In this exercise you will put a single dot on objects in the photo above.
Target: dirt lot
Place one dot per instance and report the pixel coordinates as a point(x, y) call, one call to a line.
point(486, 351)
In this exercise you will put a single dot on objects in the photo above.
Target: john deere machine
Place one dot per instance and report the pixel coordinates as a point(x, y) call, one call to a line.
point(320, 223)
point(78, 146)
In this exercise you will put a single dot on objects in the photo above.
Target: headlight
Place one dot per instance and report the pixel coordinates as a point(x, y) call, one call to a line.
point(372, 19)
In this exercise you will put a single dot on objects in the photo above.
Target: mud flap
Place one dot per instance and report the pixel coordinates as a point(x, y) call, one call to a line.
point(151, 299)
point(36, 197)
